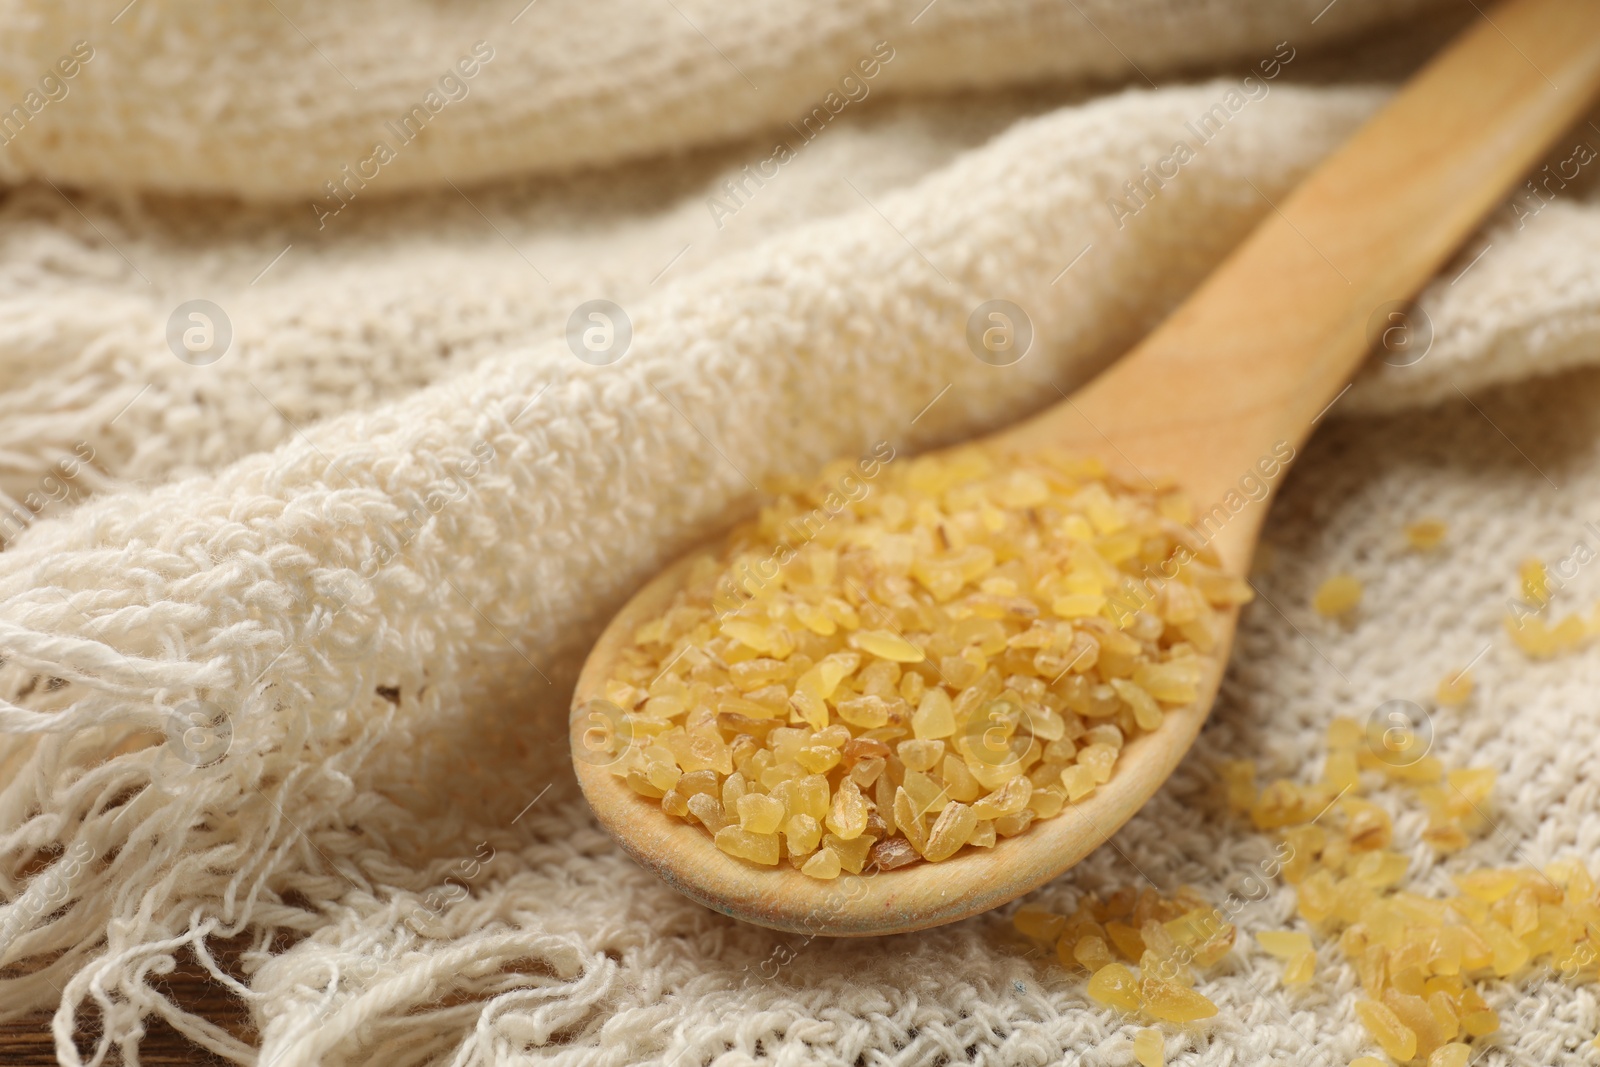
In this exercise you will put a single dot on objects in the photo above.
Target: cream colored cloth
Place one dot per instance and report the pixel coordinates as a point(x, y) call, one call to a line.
point(377, 535)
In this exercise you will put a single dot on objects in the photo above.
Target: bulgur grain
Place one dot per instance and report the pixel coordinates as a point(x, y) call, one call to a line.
point(1454, 689)
point(1337, 596)
point(954, 655)
point(1417, 957)
point(1426, 534)
point(1148, 1048)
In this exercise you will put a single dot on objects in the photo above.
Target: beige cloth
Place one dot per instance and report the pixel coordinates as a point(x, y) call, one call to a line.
point(378, 533)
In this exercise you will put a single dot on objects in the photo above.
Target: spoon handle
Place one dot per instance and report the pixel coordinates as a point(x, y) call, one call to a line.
point(1273, 336)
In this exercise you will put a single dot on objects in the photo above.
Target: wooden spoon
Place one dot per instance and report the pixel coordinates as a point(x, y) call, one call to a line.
point(1218, 394)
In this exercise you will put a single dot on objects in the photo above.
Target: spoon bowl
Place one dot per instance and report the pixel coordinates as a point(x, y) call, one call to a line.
point(1217, 399)
point(887, 902)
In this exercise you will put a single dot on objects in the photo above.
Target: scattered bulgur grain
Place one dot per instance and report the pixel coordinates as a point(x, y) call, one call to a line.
point(1115, 986)
point(1301, 969)
point(1337, 596)
point(1284, 944)
point(1294, 949)
point(930, 664)
point(1529, 625)
point(1418, 958)
point(1039, 923)
point(1167, 937)
point(1092, 953)
point(1535, 580)
point(1539, 640)
point(1426, 534)
point(1392, 1035)
point(1173, 1003)
point(1454, 689)
point(1149, 1049)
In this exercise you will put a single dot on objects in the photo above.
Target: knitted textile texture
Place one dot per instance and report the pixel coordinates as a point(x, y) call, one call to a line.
point(288, 636)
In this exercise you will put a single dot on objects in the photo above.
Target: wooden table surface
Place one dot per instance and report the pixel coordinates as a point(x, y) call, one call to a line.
point(27, 1042)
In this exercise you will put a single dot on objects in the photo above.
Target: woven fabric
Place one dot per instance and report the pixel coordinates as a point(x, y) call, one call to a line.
point(369, 545)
